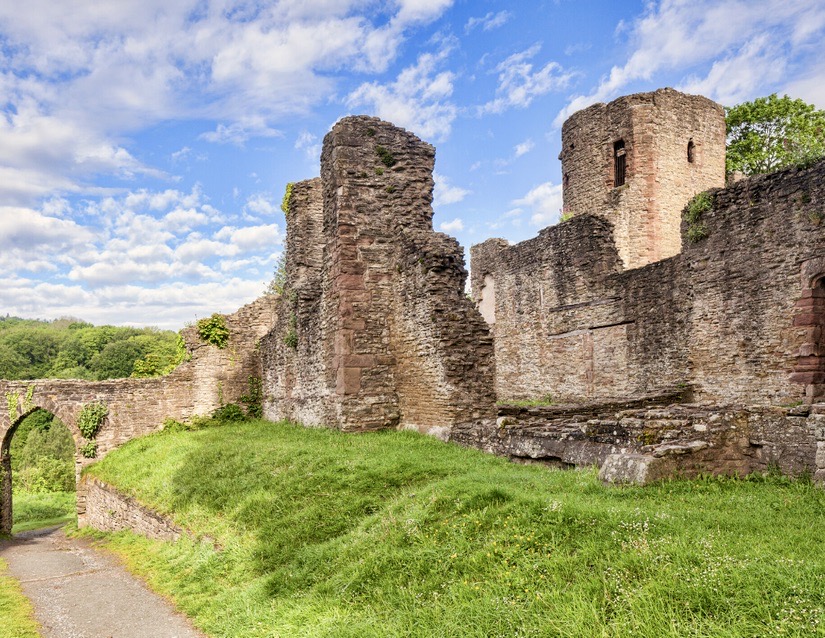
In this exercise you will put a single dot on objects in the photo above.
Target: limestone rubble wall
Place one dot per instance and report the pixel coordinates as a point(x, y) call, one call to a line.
point(109, 510)
point(736, 316)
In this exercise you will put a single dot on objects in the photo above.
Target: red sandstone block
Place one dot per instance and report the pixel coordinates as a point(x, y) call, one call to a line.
point(348, 381)
point(358, 360)
point(807, 319)
point(350, 282)
point(808, 377)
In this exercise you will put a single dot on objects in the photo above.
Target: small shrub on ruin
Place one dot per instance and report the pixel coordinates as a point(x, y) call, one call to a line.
point(696, 208)
point(213, 330)
point(91, 418)
point(89, 450)
point(387, 158)
point(287, 198)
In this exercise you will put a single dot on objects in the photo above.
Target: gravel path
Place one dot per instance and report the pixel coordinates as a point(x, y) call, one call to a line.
point(81, 592)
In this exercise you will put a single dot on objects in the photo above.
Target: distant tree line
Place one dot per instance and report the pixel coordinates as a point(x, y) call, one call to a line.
point(72, 349)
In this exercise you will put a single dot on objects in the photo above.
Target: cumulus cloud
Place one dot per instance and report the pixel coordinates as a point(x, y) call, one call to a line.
point(76, 78)
point(544, 202)
point(451, 227)
point(678, 35)
point(419, 99)
point(445, 193)
point(519, 84)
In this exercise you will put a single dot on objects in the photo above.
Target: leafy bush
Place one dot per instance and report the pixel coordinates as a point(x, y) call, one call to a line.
point(213, 330)
point(89, 449)
point(47, 475)
point(42, 455)
point(91, 418)
point(231, 412)
point(696, 208)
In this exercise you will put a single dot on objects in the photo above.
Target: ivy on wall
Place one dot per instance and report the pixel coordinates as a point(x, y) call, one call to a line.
point(213, 330)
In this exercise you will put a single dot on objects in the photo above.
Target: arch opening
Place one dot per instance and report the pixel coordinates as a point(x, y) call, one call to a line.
point(38, 467)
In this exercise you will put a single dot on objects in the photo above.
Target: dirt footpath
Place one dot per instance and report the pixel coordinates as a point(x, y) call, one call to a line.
point(80, 592)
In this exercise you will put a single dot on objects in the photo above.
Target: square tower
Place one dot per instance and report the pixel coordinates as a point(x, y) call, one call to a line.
point(637, 161)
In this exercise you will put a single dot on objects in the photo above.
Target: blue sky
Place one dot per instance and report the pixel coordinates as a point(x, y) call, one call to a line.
point(145, 144)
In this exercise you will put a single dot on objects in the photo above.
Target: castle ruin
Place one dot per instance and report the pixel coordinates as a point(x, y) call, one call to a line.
point(669, 344)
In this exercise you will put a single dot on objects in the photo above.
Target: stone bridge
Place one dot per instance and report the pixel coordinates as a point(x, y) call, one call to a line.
point(210, 378)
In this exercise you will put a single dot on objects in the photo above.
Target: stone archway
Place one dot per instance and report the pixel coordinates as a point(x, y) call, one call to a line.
point(6, 489)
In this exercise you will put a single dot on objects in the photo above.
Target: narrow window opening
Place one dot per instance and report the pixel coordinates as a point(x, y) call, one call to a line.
point(619, 163)
point(566, 179)
point(691, 152)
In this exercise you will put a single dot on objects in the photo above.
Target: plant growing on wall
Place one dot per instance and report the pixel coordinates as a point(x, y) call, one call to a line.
point(11, 405)
point(213, 330)
point(253, 400)
point(88, 422)
point(91, 418)
point(89, 449)
point(387, 158)
point(287, 197)
point(698, 206)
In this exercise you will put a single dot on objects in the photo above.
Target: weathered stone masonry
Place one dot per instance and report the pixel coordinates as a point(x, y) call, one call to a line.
point(734, 320)
point(376, 331)
point(670, 145)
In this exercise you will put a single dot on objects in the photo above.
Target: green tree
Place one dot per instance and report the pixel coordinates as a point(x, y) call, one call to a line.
point(116, 360)
point(42, 454)
point(772, 133)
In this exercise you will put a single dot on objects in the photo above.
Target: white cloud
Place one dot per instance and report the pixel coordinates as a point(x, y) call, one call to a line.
point(417, 100)
point(544, 202)
point(309, 143)
point(260, 204)
point(519, 84)
point(451, 227)
point(741, 39)
point(488, 22)
point(525, 147)
point(238, 133)
point(78, 78)
point(445, 193)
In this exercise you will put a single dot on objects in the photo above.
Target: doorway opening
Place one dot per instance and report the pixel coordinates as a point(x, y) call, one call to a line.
point(38, 453)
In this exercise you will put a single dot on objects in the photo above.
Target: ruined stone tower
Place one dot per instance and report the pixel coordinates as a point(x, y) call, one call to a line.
point(637, 161)
point(375, 330)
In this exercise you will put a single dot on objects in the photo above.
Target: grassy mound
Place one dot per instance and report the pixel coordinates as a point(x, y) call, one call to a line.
point(316, 533)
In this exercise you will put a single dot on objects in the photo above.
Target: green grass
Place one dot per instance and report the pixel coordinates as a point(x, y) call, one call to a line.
point(528, 403)
point(33, 511)
point(16, 611)
point(316, 533)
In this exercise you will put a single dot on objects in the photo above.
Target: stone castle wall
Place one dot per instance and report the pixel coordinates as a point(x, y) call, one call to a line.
point(379, 332)
point(656, 129)
point(736, 316)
